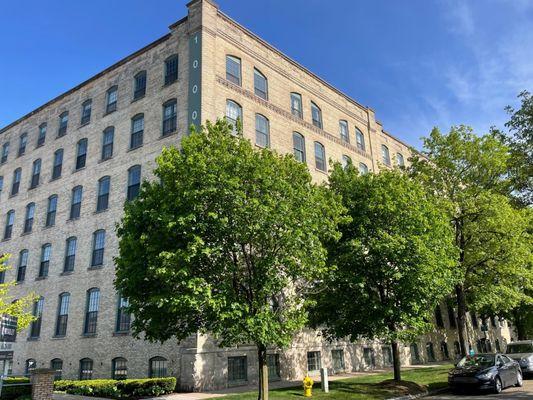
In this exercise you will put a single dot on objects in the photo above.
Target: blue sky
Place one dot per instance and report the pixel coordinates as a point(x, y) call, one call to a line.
point(417, 63)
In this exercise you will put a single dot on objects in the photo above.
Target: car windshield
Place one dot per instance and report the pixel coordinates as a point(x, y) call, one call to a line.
point(478, 360)
point(520, 348)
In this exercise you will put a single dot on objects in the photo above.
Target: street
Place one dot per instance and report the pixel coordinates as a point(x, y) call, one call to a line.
point(512, 393)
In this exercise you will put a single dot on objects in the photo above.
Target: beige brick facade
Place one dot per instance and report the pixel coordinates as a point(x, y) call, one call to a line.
point(197, 363)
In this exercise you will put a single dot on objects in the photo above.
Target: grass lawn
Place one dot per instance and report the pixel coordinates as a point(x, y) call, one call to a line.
point(368, 387)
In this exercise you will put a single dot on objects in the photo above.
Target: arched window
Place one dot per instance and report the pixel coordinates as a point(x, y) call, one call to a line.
point(42, 135)
point(233, 69)
point(51, 211)
point(438, 317)
point(23, 141)
point(97, 258)
point(10, 220)
point(171, 69)
point(343, 130)
point(5, 152)
point(346, 161)
point(16, 181)
point(86, 109)
point(86, 369)
point(120, 368)
point(260, 85)
point(137, 131)
point(35, 328)
point(75, 202)
point(363, 169)
point(63, 124)
point(102, 202)
point(296, 105)
point(170, 117)
point(444, 350)
point(385, 155)
point(415, 355)
point(298, 143)
point(123, 316)
point(134, 182)
point(320, 156)
point(81, 154)
point(44, 266)
point(316, 115)
point(62, 314)
point(233, 115)
point(399, 160)
point(58, 164)
point(91, 311)
point(111, 99)
point(35, 173)
point(139, 85)
point(262, 131)
point(70, 254)
point(108, 137)
point(57, 365)
point(430, 351)
point(28, 221)
point(30, 365)
point(23, 264)
point(158, 367)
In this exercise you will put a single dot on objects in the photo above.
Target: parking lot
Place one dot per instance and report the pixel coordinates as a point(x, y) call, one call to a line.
point(525, 392)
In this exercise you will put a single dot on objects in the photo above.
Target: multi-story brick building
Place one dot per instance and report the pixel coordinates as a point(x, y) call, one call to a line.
point(68, 167)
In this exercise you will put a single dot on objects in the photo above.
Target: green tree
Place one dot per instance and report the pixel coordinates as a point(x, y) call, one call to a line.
point(227, 240)
point(394, 262)
point(492, 238)
point(19, 308)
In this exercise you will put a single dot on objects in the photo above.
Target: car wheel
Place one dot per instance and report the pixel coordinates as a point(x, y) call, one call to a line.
point(519, 379)
point(498, 385)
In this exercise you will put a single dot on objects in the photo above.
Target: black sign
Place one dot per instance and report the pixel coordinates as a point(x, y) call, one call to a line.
point(8, 328)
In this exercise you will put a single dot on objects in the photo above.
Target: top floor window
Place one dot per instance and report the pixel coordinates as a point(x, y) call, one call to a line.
point(260, 85)
point(111, 99)
point(385, 154)
point(316, 115)
point(343, 129)
point(139, 89)
point(233, 69)
point(399, 160)
point(360, 139)
point(296, 105)
point(86, 109)
point(63, 124)
point(42, 135)
point(22, 144)
point(233, 114)
point(171, 69)
point(5, 152)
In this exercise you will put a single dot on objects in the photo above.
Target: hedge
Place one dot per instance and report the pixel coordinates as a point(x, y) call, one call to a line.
point(14, 392)
point(119, 389)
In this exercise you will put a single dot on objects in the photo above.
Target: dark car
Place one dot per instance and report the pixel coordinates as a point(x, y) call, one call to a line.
point(522, 352)
point(485, 371)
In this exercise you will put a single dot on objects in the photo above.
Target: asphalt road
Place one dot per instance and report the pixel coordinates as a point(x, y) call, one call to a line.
point(512, 393)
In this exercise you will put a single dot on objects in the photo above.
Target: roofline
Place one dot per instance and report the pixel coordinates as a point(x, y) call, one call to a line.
point(94, 77)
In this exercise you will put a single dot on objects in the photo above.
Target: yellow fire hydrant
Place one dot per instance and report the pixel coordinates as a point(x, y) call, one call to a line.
point(308, 386)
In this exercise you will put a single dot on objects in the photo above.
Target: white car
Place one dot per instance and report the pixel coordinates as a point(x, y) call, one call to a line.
point(522, 351)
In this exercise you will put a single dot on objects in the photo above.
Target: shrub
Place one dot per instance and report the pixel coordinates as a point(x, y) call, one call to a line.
point(13, 392)
point(129, 388)
point(146, 387)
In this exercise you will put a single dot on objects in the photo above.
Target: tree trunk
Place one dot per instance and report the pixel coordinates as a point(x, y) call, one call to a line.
point(396, 360)
point(263, 372)
point(461, 318)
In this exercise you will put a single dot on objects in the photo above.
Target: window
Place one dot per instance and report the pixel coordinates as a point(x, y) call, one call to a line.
point(81, 154)
point(111, 99)
point(62, 314)
point(28, 220)
point(22, 144)
point(5, 152)
point(70, 254)
point(262, 131)
point(107, 142)
point(385, 155)
point(97, 258)
point(171, 69)
point(444, 350)
point(451, 316)
point(42, 135)
point(51, 211)
point(16, 181)
point(399, 160)
point(46, 251)
point(75, 203)
point(58, 164)
point(102, 202)
point(170, 117)
point(158, 367)
point(363, 169)
point(369, 357)
point(120, 368)
point(430, 351)
point(337, 357)
point(63, 124)
point(346, 160)
point(134, 182)
point(86, 369)
point(23, 264)
point(415, 355)
point(237, 369)
point(473, 316)
point(296, 105)
point(313, 361)
point(91, 313)
point(139, 86)
point(298, 143)
point(35, 328)
point(233, 115)
point(316, 115)
point(31, 364)
point(86, 108)
point(233, 69)
point(360, 139)
point(137, 130)
point(457, 349)
point(123, 316)
point(260, 85)
point(10, 220)
point(438, 317)
point(57, 365)
point(320, 156)
point(386, 351)
point(273, 367)
point(35, 173)
point(343, 130)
